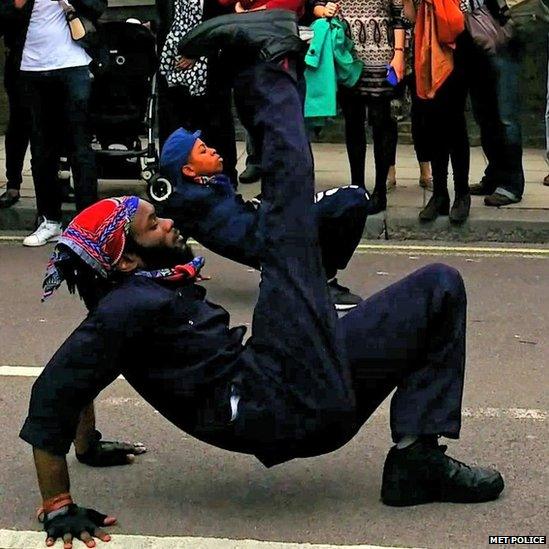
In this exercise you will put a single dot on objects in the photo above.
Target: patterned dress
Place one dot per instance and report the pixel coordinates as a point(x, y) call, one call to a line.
point(371, 25)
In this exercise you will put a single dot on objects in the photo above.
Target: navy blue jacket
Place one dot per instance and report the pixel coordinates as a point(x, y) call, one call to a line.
point(171, 344)
point(217, 217)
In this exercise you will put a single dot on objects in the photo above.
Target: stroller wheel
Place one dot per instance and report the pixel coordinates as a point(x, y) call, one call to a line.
point(159, 188)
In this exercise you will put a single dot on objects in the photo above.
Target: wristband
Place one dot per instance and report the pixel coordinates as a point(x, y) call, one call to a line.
point(57, 513)
point(57, 502)
point(398, 49)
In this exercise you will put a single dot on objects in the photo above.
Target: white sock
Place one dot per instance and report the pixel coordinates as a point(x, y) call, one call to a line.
point(405, 441)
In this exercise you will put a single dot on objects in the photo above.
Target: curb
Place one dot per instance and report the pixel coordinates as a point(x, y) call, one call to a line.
point(398, 223)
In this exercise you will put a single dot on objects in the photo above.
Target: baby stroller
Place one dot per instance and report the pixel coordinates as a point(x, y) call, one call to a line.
point(122, 104)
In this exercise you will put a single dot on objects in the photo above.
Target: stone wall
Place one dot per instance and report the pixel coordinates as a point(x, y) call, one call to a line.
point(534, 78)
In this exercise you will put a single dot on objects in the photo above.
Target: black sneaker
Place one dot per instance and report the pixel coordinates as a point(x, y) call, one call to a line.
point(422, 473)
point(342, 298)
point(437, 205)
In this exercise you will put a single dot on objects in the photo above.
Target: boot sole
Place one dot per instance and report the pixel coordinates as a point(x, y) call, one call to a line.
point(489, 492)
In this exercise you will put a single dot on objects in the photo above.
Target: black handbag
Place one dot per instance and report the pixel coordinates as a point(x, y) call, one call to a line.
point(486, 31)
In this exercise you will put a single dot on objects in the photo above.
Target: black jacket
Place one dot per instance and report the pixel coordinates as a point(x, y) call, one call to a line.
point(15, 22)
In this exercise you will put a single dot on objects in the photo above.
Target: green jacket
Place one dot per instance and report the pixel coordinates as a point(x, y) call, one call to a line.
point(330, 61)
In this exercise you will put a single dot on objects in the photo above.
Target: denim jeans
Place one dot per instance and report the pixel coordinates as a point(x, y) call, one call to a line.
point(18, 130)
point(495, 96)
point(59, 103)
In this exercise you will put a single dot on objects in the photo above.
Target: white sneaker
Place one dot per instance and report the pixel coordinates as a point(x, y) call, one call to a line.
point(48, 231)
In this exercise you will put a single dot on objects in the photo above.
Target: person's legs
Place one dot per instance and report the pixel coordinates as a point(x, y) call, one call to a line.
point(449, 126)
point(76, 94)
point(411, 336)
point(18, 130)
point(508, 159)
point(217, 121)
point(297, 382)
point(495, 88)
point(42, 92)
point(341, 215)
point(252, 173)
point(421, 134)
point(385, 137)
point(354, 114)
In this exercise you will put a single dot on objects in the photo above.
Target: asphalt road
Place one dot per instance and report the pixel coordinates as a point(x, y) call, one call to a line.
point(182, 487)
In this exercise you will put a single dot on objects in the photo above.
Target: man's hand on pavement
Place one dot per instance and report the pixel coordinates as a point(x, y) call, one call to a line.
point(77, 522)
point(105, 453)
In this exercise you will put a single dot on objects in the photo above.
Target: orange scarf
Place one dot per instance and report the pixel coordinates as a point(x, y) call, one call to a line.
point(438, 24)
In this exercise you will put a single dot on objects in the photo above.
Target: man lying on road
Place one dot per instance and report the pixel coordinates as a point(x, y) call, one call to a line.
point(305, 382)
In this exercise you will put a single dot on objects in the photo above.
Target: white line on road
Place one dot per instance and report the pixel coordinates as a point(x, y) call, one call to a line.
point(13, 539)
point(476, 413)
point(427, 249)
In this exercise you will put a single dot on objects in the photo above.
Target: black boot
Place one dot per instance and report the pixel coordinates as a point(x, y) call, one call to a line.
point(460, 209)
point(437, 205)
point(378, 203)
point(422, 473)
point(267, 35)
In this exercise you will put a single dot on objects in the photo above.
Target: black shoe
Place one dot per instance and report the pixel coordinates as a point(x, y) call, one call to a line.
point(266, 34)
point(437, 205)
point(482, 189)
point(378, 203)
point(252, 174)
point(7, 200)
point(497, 199)
point(422, 473)
point(460, 209)
point(342, 298)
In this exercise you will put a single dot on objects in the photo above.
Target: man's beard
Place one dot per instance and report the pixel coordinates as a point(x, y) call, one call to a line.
point(160, 257)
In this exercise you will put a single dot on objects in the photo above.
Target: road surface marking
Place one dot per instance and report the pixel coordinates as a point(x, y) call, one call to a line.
point(421, 249)
point(476, 413)
point(13, 539)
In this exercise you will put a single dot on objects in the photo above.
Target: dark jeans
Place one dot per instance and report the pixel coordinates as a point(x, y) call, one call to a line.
point(253, 158)
point(211, 114)
point(59, 103)
point(420, 114)
point(309, 381)
point(19, 125)
point(495, 96)
point(449, 128)
point(384, 132)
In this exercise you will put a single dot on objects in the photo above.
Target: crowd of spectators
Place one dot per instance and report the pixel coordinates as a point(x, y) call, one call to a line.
point(364, 57)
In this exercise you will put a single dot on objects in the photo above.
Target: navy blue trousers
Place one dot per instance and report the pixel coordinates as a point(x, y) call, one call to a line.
point(309, 381)
point(58, 100)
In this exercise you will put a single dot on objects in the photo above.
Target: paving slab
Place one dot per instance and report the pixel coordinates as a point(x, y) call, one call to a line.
point(527, 221)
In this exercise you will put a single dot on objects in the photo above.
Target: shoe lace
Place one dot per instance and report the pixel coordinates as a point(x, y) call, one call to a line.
point(459, 464)
point(44, 228)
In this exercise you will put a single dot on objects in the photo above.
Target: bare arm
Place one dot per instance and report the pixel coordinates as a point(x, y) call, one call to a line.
point(52, 473)
point(85, 429)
